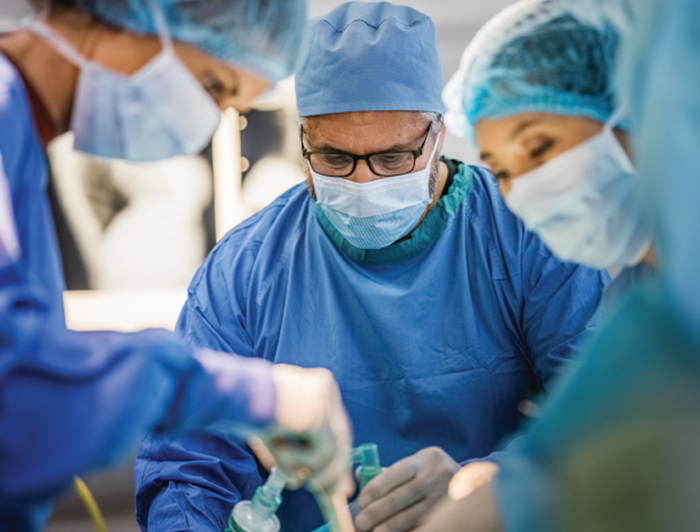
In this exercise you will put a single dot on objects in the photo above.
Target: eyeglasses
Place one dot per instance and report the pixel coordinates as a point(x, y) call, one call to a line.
point(384, 164)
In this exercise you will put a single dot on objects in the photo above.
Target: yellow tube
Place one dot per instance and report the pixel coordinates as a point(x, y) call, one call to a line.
point(90, 504)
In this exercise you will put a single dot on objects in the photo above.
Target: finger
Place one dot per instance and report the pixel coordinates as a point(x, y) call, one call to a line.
point(406, 520)
point(390, 505)
point(262, 452)
point(400, 473)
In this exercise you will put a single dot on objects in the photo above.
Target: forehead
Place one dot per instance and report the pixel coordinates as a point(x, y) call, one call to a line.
point(366, 130)
point(506, 129)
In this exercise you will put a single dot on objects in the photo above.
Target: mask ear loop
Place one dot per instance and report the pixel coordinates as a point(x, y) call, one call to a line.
point(618, 116)
point(161, 25)
point(60, 44)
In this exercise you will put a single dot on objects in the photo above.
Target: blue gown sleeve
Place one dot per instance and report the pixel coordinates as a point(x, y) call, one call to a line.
point(193, 481)
point(561, 306)
point(71, 402)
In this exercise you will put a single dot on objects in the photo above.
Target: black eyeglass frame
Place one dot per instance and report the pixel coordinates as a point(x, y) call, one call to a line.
point(416, 154)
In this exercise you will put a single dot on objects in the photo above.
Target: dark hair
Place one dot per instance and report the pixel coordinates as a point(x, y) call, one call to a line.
point(52, 5)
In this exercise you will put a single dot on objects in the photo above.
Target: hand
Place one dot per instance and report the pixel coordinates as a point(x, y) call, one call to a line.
point(397, 499)
point(470, 477)
point(475, 513)
point(311, 440)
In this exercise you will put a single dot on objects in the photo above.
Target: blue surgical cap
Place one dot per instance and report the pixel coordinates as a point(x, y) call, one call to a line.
point(262, 36)
point(372, 56)
point(536, 56)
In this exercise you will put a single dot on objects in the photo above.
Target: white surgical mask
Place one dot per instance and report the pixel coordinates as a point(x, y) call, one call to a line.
point(161, 111)
point(585, 204)
point(376, 214)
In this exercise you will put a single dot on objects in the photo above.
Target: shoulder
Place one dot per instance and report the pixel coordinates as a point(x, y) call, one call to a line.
point(18, 141)
point(271, 231)
point(486, 211)
point(13, 99)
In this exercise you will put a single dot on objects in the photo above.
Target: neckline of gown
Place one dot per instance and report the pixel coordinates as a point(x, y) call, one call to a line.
point(422, 236)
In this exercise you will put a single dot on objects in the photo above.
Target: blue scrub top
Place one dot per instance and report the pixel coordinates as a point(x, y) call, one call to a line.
point(71, 402)
point(434, 341)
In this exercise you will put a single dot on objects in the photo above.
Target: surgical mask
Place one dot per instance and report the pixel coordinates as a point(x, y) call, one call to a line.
point(585, 204)
point(159, 112)
point(374, 215)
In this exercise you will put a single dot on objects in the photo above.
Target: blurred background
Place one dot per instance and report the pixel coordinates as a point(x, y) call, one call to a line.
point(132, 236)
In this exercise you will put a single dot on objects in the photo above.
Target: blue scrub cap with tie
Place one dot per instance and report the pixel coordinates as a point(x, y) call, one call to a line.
point(370, 56)
point(262, 36)
point(551, 56)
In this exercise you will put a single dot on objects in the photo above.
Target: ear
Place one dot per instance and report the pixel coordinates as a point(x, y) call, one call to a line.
point(441, 138)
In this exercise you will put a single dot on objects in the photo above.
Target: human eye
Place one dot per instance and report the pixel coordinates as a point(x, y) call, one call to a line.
point(336, 160)
point(541, 148)
point(331, 163)
point(501, 175)
point(392, 161)
point(214, 86)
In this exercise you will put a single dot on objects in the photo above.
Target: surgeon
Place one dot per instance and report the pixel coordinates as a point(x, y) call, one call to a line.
point(137, 80)
point(615, 449)
point(399, 270)
point(536, 92)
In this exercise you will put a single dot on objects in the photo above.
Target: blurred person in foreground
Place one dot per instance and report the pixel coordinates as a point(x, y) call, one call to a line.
point(141, 81)
point(615, 448)
point(399, 270)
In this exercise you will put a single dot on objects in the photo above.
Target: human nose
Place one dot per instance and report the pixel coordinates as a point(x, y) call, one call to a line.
point(362, 173)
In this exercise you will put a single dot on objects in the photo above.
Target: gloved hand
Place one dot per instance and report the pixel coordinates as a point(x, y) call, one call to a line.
point(310, 441)
point(470, 477)
point(396, 500)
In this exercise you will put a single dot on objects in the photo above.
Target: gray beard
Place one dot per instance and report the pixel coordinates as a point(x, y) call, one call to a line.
point(432, 185)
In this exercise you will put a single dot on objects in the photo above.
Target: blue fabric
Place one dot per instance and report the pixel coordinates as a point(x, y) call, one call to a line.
point(616, 429)
point(72, 402)
point(660, 68)
point(435, 345)
point(636, 393)
point(624, 283)
point(264, 37)
point(370, 56)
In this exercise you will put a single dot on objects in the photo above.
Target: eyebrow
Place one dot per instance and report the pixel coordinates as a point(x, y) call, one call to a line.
point(523, 126)
point(332, 149)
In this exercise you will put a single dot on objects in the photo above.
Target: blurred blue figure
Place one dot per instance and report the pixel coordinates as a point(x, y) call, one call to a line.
point(72, 402)
point(400, 271)
point(615, 447)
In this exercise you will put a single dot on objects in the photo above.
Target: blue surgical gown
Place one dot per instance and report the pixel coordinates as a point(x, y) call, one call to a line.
point(72, 402)
point(434, 341)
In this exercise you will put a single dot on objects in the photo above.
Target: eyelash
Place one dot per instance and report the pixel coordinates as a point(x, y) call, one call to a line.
point(541, 149)
point(213, 86)
point(504, 174)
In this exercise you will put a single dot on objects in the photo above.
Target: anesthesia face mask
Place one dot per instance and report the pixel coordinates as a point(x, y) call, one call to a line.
point(161, 111)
